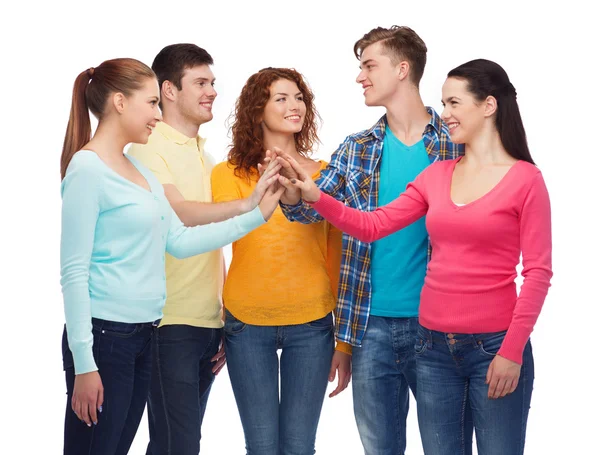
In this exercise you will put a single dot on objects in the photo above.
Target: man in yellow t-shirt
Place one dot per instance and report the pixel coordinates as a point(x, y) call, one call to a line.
point(187, 348)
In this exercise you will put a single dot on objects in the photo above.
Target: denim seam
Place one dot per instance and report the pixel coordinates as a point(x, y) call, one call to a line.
point(462, 418)
point(523, 411)
point(162, 393)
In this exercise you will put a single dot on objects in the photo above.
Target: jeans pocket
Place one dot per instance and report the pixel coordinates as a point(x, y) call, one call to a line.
point(325, 323)
point(420, 346)
point(489, 343)
point(233, 325)
point(115, 329)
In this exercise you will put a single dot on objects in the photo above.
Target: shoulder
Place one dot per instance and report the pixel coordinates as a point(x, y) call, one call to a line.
point(85, 163)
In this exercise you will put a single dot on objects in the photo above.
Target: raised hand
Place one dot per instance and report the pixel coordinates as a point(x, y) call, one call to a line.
point(291, 196)
point(302, 181)
point(270, 200)
point(266, 172)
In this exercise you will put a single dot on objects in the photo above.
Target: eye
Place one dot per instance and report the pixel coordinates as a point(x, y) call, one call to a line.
point(153, 103)
point(280, 99)
point(300, 98)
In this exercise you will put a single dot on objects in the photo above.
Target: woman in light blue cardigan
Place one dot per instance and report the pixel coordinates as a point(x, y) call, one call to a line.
point(116, 226)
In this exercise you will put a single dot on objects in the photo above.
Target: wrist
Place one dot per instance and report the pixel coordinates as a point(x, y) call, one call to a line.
point(246, 205)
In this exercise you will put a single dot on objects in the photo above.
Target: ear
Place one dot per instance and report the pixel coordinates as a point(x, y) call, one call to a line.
point(403, 68)
point(168, 91)
point(491, 106)
point(119, 102)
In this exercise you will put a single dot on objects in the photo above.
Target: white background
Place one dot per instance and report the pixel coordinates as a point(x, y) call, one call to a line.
point(547, 51)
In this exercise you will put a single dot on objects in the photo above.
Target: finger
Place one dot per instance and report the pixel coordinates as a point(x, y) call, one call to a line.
point(492, 387)
point(286, 168)
point(218, 355)
point(490, 373)
point(293, 184)
point(499, 388)
point(339, 388)
point(219, 365)
point(76, 406)
point(85, 413)
point(332, 371)
point(93, 408)
point(514, 384)
point(506, 389)
point(100, 399)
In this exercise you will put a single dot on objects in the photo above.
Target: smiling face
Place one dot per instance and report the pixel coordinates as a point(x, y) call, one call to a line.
point(285, 110)
point(464, 115)
point(378, 76)
point(140, 112)
point(195, 99)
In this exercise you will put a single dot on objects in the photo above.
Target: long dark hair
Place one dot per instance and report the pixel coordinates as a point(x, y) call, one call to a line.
point(486, 78)
point(91, 91)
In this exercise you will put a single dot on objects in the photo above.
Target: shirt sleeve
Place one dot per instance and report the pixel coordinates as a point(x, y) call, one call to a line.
point(536, 248)
point(331, 181)
point(80, 211)
point(370, 226)
point(223, 183)
point(153, 161)
point(183, 242)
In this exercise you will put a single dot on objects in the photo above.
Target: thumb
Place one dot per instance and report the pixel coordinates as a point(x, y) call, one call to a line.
point(490, 371)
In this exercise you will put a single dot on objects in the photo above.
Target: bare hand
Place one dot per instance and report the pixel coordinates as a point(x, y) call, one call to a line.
point(88, 397)
point(219, 359)
point(270, 200)
point(342, 363)
point(303, 181)
point(291, 196)
point(502, 377)
point(261, 187)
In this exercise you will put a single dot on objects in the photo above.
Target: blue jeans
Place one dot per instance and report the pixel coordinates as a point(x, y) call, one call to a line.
point(181, 380)
point(451, 372)
point(383, 373)
point(274, 425)
point(123, 355)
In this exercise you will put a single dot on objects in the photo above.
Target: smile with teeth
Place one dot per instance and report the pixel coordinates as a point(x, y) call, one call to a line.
point(206, 105)
point(292, 117)
point(452, 125)
point(150, 127)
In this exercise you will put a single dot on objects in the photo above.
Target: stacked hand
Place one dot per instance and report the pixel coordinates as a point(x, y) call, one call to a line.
point(298, 184)
point(268, 190)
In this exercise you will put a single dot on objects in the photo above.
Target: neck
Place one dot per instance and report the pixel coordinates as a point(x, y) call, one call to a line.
point(485, 149)
point(174, 118)
point(109, 140)
point(406, 115)
point(282, 141)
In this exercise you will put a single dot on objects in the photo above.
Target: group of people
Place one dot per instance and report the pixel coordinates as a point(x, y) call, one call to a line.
point(394, 263)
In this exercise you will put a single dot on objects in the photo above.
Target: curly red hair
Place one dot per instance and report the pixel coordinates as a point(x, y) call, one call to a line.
point(247, 147)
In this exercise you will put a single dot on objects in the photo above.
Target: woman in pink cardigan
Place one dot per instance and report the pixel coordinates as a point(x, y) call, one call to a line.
point(482, 212)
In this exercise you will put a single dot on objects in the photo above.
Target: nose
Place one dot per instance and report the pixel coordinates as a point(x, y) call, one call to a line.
point(361, 77)
point(158, 115)
point(445, 114)
point(212, 92)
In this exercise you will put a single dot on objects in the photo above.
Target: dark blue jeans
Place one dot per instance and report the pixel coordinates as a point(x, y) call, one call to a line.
point(181, 380)
point(123, 355)
point(275, 425)
point(451, 372)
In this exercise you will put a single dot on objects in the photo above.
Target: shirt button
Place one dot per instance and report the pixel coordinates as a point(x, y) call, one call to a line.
point(162, 217)
point(156, 198)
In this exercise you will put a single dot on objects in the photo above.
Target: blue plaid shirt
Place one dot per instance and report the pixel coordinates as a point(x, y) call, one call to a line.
point(352, 177)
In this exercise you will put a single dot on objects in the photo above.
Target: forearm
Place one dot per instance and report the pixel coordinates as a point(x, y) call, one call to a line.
point(192, 213)
point(184, 241)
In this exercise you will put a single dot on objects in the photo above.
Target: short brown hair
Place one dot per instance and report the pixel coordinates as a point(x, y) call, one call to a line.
point(401, 43)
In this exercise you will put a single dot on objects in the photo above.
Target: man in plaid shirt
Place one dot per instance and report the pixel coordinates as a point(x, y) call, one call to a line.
point(380, 283)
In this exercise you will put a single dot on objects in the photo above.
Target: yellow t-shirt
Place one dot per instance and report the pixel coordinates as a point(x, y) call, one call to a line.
point(282, 273)
point(194, 285)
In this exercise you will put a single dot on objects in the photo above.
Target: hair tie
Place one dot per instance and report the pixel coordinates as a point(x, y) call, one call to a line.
point(90, 72)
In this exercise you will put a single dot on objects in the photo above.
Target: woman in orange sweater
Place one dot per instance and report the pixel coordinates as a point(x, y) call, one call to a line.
point(276, 109)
